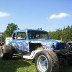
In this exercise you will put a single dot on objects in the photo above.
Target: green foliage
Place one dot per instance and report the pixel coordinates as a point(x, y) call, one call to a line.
point(9, 30)
point(1, 37)
point(17, 65)
point(20, 65)
point(65, 34)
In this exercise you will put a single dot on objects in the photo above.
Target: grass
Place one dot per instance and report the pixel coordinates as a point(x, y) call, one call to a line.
point(66, 68)
point(20, 65)
point(16, 65)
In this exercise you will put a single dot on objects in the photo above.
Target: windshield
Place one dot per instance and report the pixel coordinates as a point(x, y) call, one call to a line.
point(38, 34)
point(21, 35)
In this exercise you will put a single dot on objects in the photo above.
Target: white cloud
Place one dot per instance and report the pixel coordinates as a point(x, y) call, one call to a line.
point(59, 15)
point(4, 14)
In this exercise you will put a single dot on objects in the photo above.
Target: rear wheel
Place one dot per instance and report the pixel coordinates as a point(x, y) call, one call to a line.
point(46, 62)
point(7, 56)
point(6, 53)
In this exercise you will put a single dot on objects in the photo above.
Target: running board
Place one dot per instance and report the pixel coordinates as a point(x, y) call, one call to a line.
point(32, 55)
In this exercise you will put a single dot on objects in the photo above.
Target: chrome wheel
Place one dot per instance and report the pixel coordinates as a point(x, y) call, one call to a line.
point(42, 63)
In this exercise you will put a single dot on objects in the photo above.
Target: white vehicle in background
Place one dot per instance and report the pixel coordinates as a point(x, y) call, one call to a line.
point(8, 40)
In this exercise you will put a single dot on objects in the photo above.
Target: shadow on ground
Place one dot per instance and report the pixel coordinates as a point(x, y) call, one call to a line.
point(17, 64)
point(13, 65)
point(65, 68)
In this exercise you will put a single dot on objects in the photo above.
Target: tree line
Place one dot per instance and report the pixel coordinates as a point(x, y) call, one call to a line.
point(64, 34)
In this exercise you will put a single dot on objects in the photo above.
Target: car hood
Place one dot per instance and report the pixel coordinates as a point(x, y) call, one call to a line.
point(51, 43)
point(38, 41)
point(43, 41)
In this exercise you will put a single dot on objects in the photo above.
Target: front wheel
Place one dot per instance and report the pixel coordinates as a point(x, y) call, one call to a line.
point(46, 62)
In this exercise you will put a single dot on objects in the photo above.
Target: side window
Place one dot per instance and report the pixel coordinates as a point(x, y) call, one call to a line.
point(21, 35)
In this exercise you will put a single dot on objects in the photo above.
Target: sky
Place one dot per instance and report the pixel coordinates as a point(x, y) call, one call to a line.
point(49, 15)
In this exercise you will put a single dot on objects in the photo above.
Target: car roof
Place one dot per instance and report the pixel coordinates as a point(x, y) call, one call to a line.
point(30, 30)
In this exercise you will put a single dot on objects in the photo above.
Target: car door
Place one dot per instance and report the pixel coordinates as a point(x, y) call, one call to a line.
point(21, 41)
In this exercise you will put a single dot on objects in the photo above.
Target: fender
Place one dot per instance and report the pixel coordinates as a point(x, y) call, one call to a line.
point(34, 53)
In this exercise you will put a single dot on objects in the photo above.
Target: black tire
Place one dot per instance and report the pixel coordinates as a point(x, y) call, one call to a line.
point(7, 56)
point(6, 53)
point(69, 59)
point(50, 59)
